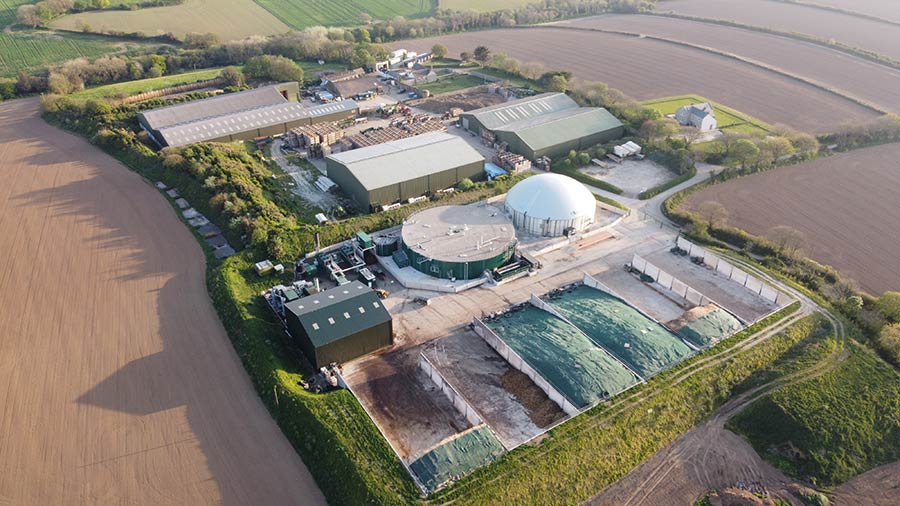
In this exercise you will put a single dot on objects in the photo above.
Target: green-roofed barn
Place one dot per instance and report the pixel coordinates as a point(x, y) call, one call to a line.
point(549, 124)
point(339, 324)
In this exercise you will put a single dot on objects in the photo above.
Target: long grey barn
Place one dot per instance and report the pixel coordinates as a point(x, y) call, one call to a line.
point(549, 124)
point(398, 170)
point(269, 110)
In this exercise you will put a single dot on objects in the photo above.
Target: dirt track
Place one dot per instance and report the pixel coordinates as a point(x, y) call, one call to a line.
point(878, 487)
point(846, 206)
point(646, 69)
point(119, 384)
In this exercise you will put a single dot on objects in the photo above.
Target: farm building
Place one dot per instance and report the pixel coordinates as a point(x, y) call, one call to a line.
point(398, 170)
point(699, 116)
point(270, 110)
point(550, 205)
point(356, 87)
point(549, 124)
point(339, 324)
point(457, 242)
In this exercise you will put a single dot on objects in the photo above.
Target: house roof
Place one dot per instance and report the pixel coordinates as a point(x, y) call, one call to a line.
point(405, 159)
point(496, 116)
point(555, 128)
point(339, 312)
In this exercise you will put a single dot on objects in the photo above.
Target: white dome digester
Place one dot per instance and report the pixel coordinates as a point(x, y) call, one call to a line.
point(550, 205)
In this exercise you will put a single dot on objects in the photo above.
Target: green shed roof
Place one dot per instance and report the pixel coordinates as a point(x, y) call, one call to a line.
point(496, 116)
point(339, 312)
point(562, 126)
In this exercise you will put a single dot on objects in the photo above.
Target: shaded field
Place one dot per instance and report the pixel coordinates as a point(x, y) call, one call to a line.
point(564, 356)
point(862, 33)
point(120, 383)
point(845, 205)
point(229, 19)
point(644, 345)
point(646, 69)
point(299, 14)
point(877, 84)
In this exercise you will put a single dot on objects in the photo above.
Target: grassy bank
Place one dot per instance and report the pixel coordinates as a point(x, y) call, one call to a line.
point(729, 120)
point(829, 429)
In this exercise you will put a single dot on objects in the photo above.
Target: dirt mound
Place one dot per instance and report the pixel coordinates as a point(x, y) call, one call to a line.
point(475, 98)
point(737, 497)
point(541, 410)
point(691, 315)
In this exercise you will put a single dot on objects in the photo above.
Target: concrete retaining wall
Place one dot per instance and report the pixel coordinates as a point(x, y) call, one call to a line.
point(748, 281)
point(458, 401)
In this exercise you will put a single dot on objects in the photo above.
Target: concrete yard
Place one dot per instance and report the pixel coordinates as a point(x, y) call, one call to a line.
point(632, 176)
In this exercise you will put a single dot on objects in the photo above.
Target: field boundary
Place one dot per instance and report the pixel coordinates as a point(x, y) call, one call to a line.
point(742, 59)
point(838, 10)
point(696, 98)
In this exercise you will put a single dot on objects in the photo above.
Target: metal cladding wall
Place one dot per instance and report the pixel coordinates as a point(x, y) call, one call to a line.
point(415, 187)
point(517, 145)
point(458, 270)
point(355, 345)
point(543, 227)
point(341, 350)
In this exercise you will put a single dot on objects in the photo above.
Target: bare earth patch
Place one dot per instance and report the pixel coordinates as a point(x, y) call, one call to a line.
point(119, 384)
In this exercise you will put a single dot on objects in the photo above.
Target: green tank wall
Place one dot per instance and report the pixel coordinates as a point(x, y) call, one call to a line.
point(458, 270)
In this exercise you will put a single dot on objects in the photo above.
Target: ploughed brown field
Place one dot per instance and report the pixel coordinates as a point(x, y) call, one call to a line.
point(874, 83)
point(872, 35)
point(646, 69)
point(884, 9)
point(846, 205)
point(119, 384)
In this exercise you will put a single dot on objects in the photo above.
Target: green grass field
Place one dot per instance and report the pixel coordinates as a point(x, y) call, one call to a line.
point(143, 85)
point(483, 5)
point(453, 82)
point(229, 19)
point(299, 14)
point(517, 81)
point(831, 428)
point(729, 119)
point(24, 50)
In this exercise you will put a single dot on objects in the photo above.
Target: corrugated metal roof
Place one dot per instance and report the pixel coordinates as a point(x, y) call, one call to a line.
point(250, 119)
point(339, 312)
point(197, 110)
point(405, 159)
point(562, 126)
point(496, 116)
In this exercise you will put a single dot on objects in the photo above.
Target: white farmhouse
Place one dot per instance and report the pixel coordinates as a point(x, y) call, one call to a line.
point(700, 116)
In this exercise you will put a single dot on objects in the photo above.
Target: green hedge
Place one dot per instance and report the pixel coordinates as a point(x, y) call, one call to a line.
point(586, 179)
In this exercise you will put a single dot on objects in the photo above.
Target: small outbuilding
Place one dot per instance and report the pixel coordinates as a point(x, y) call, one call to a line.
point(339, 324)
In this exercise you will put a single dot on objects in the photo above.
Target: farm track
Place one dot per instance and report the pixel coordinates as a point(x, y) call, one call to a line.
point(119, 383)
point(637, 65)
point(875, 36)
point(871, 84)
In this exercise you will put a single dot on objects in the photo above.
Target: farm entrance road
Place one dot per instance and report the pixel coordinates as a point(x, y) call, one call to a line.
point(119, 384)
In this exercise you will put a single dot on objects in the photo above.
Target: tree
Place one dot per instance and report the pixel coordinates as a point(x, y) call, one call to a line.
point(806, 145)
point(27, 15)
point(439, 50)
point(465, 184)
point(743, 150)
point(788, 240)
point(58, 83)
point(277, 68)
point(232, 76)
point(99, 4)
point(778, 147)
point(558, 83)
point(364, 36)
point(889, 305)
point(889, 342)
point(713, 213)
point(533, 70)
point(482, 54)
point(199, 40)
point(361, 57)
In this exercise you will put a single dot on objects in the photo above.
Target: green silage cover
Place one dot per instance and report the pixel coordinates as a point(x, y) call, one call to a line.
point(560, 353)
point(710, 328)
point(457, 457)
point(646, 346)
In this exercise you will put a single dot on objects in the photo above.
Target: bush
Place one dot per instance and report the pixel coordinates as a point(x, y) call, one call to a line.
point(465, 185)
